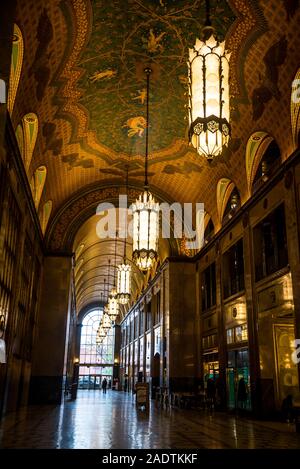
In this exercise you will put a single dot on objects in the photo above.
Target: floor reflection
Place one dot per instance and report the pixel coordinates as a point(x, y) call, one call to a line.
point(96, 420)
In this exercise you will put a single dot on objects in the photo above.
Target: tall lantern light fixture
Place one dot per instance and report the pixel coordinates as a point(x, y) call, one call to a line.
point(105, 321)
point(124, 272)
point(208, 65)
point(113, 304)
point(145, 212)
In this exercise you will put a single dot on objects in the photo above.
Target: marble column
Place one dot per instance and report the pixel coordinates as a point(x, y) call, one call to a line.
point(182, 333)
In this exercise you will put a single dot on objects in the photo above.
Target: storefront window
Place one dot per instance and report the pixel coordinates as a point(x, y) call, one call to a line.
point(233, 270)
point(157, 340)
point(270, 245)
point(208, 287)
point(237, 334)
point(141, 354)
point(211, 370)
point(230, 336)
point(141, 322)
point(241, 333)
point(148, 354)
point(209, 341)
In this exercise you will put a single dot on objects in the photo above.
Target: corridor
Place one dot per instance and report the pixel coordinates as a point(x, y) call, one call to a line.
point(111, 421)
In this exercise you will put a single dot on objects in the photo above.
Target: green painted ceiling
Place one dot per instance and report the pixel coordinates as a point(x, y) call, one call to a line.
point(126, 36)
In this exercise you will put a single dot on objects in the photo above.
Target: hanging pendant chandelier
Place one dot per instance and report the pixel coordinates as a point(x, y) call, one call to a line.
point(98, 339)
point(124, 272)
point(123, 283)
point(145, 212)
point(105, 321)
point(209, 128)
point(113, 305)
point(101, 334)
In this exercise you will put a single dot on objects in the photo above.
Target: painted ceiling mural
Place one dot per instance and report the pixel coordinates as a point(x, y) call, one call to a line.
point(125, 37)
point(103, 74)
point(83, 76)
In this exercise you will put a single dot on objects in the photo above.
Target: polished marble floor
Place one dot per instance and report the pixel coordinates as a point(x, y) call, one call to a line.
point(109, 421)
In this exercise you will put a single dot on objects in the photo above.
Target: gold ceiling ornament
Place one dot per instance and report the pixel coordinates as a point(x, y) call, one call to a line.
point(145, 212)
point(124, 270)
point(209, 112)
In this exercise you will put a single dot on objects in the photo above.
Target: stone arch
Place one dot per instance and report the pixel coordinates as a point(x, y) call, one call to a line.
point(15, 67)
point(255, 149)
point(67, 221)
point(224, 189)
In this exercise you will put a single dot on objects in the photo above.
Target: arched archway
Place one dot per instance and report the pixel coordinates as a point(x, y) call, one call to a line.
point(261, 150)
point(228, 199)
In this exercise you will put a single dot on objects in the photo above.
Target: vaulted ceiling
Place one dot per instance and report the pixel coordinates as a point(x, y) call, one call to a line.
point(83, 76)
point(97, 257)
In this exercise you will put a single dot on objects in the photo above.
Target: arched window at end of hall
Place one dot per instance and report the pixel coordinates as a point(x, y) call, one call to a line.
point(15, 67)
point(96, 360)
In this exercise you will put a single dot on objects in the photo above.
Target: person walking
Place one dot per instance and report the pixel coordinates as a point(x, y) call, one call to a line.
point(104, 385)
point(211, 393)
point(242, 394)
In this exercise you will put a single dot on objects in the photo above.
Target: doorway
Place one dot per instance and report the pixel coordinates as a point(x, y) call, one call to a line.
point(237, 368)
point(92, 382)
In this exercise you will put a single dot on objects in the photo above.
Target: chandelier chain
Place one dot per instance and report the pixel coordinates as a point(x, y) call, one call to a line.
point(148, 72)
